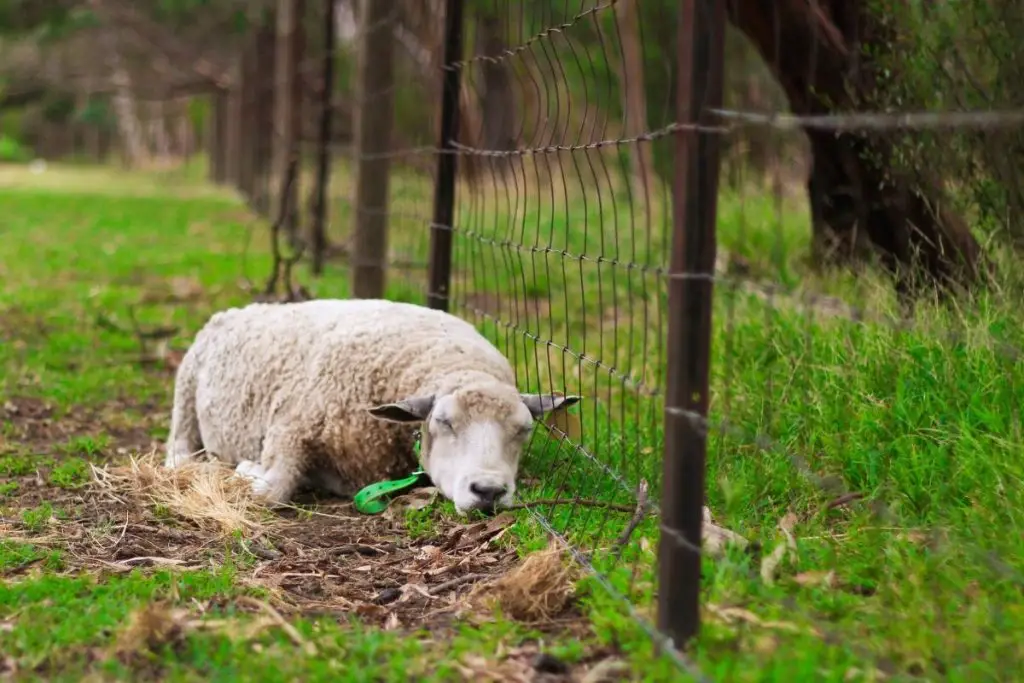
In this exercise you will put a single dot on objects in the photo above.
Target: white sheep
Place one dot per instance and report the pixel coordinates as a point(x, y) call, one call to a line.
point(325, 393)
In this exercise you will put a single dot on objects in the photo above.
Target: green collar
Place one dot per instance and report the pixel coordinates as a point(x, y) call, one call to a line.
point(373, 499)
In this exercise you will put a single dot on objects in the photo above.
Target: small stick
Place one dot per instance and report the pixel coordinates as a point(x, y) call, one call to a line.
point(569, 501)
point(638, 516)
point(458, 581)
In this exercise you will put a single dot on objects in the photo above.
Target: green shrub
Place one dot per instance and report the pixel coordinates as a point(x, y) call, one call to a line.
point(13, 151)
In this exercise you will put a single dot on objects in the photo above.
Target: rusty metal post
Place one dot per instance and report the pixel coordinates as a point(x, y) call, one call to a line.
point(694, 205)
point(444, 184)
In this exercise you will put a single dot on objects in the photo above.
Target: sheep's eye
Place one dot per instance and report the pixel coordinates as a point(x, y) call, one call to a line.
point(524, 431)
point(446, 424)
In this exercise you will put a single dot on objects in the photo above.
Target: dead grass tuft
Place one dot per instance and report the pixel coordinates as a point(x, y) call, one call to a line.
point(537, 589)
point(206, 493)
point(149, 628)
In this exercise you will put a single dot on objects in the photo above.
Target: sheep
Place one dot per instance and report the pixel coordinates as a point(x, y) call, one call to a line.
point(331, 393)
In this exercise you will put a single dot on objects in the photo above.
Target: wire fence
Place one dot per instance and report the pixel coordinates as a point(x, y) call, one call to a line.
point(571, 210)
point(550, 172)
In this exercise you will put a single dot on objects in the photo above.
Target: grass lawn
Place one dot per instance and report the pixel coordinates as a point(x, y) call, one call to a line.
point(882, 502)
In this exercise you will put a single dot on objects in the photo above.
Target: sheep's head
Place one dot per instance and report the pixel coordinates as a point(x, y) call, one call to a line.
point(473, 438)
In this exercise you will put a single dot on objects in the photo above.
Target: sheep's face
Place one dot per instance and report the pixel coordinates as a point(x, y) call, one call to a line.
point(473, 438)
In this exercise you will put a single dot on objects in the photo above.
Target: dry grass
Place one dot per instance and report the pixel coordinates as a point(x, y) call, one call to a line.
point(538, 589)
point(207, 493)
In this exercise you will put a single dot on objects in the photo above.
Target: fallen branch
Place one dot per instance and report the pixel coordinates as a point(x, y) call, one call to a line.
point(638, 516)
point(142, 336)
point(454, 583)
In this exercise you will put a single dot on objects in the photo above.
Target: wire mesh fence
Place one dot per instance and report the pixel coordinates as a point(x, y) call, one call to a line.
point(570, 209)
point(550, 172)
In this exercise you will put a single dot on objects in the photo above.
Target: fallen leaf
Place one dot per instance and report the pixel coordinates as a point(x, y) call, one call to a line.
point(606, 671)
point(770, 564)
point(368, 610)
point(429, 553)
point(731, 615)
point(816, 578)
point(392, 623)
point(409, 589)
point(715, 538)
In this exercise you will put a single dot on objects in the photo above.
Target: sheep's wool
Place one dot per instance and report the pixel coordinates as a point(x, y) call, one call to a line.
point(285, 389)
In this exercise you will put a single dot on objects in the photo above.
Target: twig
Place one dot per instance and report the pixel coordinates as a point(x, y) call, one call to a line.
point(155, 334)
point(282, 265)
point(282, 623)
point(453, 583)
point(638, 516)
point(569, 501)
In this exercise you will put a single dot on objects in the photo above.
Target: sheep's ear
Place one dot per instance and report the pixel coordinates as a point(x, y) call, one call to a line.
point(545, 403)
point(415, 409)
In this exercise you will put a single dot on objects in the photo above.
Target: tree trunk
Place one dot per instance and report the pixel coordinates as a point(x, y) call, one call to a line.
point(133, 141)
point(374, 119)
point(287, 119)
point(634, 98)
point(815, 51)
point(498, 116)
point(250, 132)
point(318, 226)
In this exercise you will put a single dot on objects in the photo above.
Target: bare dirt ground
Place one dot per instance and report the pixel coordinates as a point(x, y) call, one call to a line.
point(318, 559)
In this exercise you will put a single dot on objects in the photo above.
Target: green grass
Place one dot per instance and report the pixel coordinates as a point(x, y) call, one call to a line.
point(926, 562)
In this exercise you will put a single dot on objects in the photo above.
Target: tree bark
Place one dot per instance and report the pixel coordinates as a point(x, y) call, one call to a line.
point(634, 98)
point(216, 137)
point(264, 113)
point(250, 130)
point(125, 108)
point(815, 51)
point(498, 116)
point(318, 227)
point(374, 118)
point(287, 119)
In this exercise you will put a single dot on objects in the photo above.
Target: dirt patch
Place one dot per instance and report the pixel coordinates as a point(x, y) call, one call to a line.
point(36, 426)
point(329, 560)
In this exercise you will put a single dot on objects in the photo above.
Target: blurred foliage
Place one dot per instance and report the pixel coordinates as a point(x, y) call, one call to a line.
point(11, 151)
point(960, 56)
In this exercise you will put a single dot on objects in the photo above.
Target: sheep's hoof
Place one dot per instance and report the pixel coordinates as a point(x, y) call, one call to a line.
point(254, 472)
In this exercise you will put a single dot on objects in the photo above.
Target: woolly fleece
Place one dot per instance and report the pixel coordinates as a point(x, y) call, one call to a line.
point(288, 387)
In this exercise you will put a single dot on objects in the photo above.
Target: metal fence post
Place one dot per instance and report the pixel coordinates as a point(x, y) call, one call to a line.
point(444, 184)
point(694, 199)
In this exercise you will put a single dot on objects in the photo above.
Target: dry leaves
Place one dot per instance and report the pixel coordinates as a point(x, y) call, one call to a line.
point(715, 538)
point(825, 579)
point(736, 615)
point(785, 548)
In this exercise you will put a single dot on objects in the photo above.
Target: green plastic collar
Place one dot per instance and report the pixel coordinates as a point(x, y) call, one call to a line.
point(373, 499)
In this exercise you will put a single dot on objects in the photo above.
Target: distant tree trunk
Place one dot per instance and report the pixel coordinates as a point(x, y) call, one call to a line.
point(133, 141)
point(288, 98)
point(814, 50)
point(374, 119)
point(634, 98)
point(318, 226)
point(158, 125)
point(250, 131)
point(263, 111)
point(498, 116)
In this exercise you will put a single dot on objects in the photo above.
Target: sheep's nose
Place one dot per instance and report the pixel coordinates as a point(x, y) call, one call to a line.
point(487, 494)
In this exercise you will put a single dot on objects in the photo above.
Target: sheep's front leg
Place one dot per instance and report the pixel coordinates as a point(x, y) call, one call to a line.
point(280, 470)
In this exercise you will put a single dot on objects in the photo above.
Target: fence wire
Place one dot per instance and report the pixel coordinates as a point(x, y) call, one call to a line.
point(863, 487)
point(825, 437)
